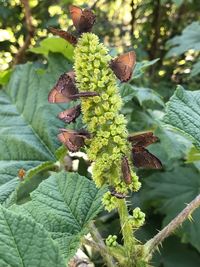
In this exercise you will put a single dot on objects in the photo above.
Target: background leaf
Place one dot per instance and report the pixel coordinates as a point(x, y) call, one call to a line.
point(173, 251)
point(28, 123)
point(196, 69)
point(64, 203)
point(182, 113)
point(5, 76)
point(23, 243)
point(185, 183)
point(145, 96)
point(54, 45)
point(189, 39)
point(141, 67)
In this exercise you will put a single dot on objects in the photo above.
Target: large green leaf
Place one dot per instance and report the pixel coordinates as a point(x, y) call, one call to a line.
point(172, 252)
point(5, 76)
point(145, 96)
point(64, 203)
point(24, 243)
point(54, 45)
point(193, 155)
point(7, 188)
point(195, 69)
point(183, 113)
point(28, 123)
point(170, 192)
point(141, 67)
point(189, 39)
point(176, 2)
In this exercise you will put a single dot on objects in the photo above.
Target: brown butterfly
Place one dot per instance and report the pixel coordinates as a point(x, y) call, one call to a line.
point(73, 140)
point(21, 174)
point(123, 66)
point(65, 35)
point(65, 90)
point(126, 170)
point(142, 158)
point(83, 20)
point(70, 115)
point(117, 194)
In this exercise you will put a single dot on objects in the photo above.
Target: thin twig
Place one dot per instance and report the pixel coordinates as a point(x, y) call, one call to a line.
point(156, 30)
point(153, 243)
point(132, 22)
point(93, 6)
point(99, 245)
point(30, 28)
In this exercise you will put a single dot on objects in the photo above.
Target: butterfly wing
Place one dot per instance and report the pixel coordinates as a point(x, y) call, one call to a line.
point(87, 21)
point(76, 13)
point(71, 139)
point(70, 115)
point(123, 66)
point(57, 97)
point(83, 20)
point(142, 158)
point(64, 34)
point(143, 139)
point(64, 89)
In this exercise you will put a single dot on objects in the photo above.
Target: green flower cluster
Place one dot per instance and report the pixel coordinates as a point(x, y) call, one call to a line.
point(101, 113)
point(111, 241)
point(138, 218)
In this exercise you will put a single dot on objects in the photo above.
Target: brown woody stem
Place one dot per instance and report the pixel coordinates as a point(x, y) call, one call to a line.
point(30, 28)
point(99, 245)
point(153, 243)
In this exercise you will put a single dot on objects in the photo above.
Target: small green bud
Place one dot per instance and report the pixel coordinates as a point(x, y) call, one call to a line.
point(109, 201)
point(138, 218)
point(111, 241)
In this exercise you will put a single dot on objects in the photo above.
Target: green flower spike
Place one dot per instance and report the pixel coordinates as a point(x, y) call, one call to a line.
point(108, 144)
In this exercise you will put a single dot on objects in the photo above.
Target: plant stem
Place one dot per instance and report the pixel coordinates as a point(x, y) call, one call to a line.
point(153, 243)
point(100, 245)
point(126, 228)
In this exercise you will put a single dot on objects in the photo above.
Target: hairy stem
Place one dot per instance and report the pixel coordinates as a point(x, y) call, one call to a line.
point(99, 245)
point(153, 243)
point(127, 231)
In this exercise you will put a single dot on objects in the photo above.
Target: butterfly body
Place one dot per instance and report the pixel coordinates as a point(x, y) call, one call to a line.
point(117, 194)
point(126, 170)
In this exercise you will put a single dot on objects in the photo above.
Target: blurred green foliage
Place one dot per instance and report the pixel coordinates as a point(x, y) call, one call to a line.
point(165, 36)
